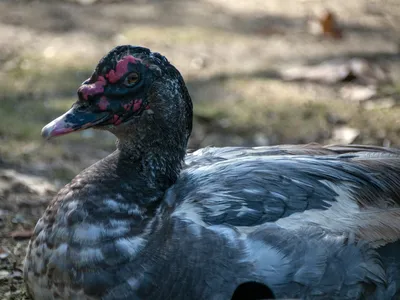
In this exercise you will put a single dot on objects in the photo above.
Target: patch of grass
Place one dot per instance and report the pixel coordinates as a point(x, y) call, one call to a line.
point(378, 126)
point(284, 115)
point(22, 118)
point(285, 122)
point(34, 91)
point(35, 75)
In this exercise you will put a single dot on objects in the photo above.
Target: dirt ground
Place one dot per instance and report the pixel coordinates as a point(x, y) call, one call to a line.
point(234, 56)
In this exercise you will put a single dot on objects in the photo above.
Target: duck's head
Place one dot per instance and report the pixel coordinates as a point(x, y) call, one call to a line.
point(134, 93)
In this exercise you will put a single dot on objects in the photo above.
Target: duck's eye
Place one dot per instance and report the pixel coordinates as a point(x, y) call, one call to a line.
point(131, 79)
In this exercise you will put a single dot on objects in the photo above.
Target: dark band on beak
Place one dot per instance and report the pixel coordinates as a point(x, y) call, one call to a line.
point(73, 120)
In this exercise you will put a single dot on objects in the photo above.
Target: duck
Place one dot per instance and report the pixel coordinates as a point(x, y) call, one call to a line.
point(153, 220)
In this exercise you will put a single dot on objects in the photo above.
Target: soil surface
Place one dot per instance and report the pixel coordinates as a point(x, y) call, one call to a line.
point(236, 57)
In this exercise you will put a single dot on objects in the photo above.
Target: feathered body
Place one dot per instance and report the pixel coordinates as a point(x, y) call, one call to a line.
point(148, 222)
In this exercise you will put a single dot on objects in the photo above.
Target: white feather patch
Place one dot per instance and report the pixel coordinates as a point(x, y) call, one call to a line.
point(375, 225)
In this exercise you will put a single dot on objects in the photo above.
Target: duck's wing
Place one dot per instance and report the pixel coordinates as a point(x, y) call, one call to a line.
point(353, 189)
point(313, 263)
point(210, 155)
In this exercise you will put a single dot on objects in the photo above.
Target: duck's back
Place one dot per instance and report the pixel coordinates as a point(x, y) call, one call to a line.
point(354, 188)
point(326, 209)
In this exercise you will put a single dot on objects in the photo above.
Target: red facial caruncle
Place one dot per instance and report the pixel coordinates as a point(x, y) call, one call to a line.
point(133, 105)
point(103, 104)
point(93, 89)
point(121, 69)
point(116, 120)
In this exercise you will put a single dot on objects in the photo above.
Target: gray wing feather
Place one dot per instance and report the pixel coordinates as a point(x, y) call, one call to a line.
point(251, 186)
point(302, 217)
point(317, 264)
point(210, 155)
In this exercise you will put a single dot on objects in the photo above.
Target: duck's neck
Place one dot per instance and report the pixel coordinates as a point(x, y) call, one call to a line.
point(153, 146)
point(153, 168)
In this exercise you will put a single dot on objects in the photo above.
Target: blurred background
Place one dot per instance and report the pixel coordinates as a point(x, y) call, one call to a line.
point(260, 72)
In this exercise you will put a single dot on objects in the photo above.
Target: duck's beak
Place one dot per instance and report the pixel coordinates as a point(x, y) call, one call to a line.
point(77, 118)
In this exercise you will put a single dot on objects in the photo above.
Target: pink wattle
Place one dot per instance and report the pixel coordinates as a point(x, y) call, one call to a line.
point(103, 104)
point(93, 89)
point(122, 67)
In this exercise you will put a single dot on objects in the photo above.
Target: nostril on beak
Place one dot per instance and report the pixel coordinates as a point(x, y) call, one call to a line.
point(84, 91)
point(80, 94)
point(92, 89)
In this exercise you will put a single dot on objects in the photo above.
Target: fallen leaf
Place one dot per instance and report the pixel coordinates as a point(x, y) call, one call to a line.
point(329, 25)
point(325, 25)
point(21, 234)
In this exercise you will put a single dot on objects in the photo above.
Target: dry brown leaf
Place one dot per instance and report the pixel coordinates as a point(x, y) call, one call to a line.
point(21, 234)
point(329, 25)
point(325, 25)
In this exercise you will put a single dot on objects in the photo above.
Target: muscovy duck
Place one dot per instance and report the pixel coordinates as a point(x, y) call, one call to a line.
point(150, 221)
